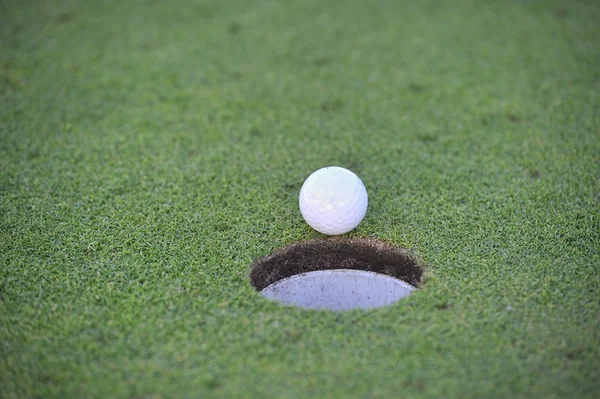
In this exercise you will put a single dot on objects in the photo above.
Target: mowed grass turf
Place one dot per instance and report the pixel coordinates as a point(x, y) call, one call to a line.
point(150, 151)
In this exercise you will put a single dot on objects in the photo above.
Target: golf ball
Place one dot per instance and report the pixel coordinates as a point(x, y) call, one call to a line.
point(333, 200)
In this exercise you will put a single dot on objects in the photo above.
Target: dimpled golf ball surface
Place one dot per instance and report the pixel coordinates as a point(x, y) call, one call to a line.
point(333, 200)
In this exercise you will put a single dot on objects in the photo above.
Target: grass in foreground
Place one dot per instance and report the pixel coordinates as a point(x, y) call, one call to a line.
point(150, 151)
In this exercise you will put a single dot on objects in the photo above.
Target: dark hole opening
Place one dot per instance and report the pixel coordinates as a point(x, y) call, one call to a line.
point(369, 254)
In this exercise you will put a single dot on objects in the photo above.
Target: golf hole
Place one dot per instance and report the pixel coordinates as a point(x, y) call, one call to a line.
point(337, 274)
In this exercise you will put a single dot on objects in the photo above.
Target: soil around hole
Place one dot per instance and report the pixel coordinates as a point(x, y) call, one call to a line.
point(369, 254)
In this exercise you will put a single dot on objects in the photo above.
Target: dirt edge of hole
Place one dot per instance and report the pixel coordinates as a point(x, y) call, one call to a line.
point(369, 254)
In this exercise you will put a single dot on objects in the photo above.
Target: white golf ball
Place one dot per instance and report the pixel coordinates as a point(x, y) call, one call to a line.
point(333, 200)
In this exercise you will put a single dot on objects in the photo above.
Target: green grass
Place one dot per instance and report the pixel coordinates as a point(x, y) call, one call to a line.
point(150, 151)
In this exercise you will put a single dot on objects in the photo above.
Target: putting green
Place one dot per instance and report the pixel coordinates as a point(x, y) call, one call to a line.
point(151, 151)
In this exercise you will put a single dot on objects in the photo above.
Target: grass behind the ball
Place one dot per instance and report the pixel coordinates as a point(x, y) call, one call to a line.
point(150, 151)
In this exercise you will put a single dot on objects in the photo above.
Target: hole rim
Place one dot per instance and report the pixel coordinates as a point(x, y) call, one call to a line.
point(374, 255)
